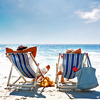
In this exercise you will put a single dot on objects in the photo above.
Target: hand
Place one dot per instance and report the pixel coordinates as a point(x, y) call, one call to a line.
point(61, 55)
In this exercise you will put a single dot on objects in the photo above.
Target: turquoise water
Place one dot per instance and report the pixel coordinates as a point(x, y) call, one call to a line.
point(48, 54)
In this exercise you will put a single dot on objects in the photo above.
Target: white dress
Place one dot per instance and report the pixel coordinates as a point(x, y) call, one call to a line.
point(60, 67)
point(34, 67)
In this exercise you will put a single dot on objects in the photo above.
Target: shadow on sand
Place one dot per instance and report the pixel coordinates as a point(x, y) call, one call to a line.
point(83, 95)
point(29, 93)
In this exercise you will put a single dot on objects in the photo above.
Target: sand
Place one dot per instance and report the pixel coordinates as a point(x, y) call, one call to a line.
point(48, 93)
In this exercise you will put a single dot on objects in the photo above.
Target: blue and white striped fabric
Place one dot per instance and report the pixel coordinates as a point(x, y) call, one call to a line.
point(69, 61)
point(21, 61)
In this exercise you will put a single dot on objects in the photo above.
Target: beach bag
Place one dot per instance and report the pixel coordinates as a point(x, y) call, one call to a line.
point(86, 77)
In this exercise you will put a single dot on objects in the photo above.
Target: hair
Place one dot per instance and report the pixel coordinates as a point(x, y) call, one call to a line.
point(21, 47)
point(69, 50)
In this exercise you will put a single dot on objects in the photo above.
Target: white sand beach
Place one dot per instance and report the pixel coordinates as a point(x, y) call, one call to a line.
point(48, 93)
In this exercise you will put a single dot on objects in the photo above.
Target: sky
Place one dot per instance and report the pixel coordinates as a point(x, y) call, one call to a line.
point(49, 21)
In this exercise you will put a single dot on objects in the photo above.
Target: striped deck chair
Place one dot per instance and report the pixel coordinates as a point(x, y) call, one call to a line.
point(21, 63)
point(69, 61)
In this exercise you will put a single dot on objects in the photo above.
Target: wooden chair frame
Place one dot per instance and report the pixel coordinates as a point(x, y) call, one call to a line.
point(66, 84)
point(23, 85)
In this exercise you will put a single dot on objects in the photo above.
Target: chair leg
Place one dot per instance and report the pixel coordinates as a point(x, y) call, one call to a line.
point(8, 83)
point(35, 82)
point(17, 80)
point(10, 75)
point(57, 64)
point(56, 76)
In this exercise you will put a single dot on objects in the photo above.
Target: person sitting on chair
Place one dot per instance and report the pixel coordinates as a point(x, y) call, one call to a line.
point(33, 50)
point(60, 67)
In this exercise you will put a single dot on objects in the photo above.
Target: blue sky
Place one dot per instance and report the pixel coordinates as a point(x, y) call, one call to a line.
point(49, 21)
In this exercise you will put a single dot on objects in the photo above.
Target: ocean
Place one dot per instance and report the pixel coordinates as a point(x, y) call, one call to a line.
point(48, 55)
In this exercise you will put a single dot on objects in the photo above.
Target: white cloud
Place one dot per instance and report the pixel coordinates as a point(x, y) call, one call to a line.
point(90, 16)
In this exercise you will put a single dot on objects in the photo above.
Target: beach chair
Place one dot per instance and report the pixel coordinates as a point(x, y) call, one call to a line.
point(20, 62)
point(68, 62)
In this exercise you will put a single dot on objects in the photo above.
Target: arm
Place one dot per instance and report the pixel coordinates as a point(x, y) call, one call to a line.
point(9, 50)
point(33, 50)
